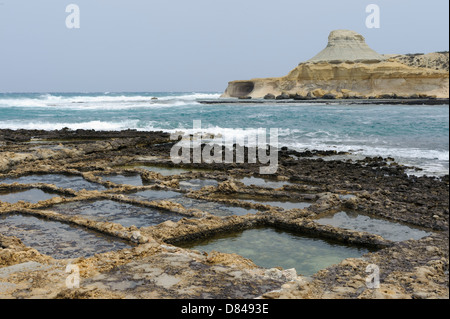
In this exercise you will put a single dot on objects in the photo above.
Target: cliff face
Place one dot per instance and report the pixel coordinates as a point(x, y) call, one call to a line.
point(348, 67)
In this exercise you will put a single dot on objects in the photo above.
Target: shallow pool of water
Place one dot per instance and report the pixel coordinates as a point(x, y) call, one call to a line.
point(74, 182)
point(196, 184)
point(33, 196)
point(151, 195)
point(167, 171)
point(131, 179)
point(115, 212)
point(282, 204)
point(269, 248)
point(48, 147)
point(267, 183)
point(387, 229)
point(214, 208)
point(56, 239)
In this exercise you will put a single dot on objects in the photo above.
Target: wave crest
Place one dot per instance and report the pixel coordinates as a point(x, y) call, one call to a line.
point(105, 101)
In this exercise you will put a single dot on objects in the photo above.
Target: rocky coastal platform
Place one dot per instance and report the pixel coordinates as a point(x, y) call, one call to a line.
point(148, 261)
point(293, 99)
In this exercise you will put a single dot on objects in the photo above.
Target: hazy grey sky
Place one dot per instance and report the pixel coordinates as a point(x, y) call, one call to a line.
point(192, 45)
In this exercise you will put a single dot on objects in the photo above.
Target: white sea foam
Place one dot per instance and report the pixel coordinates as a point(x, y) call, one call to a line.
point(193, 96)
point(106, 101)
point(91, 125)
point(310, 144)
point(229, 133)
point(395, 152)
point(433, 161)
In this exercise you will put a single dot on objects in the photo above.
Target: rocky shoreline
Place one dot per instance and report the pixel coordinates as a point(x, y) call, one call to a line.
point(297, 99)
point(153, 266)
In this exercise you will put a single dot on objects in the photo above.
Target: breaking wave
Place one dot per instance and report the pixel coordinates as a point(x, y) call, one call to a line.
point(103, 101)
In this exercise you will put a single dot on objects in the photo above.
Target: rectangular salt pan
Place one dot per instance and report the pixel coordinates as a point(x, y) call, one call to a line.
point(248, 181)
point(74, 182)
point(31, 196)
point(196, 184)
point(167, 171)
point(270, 248)
point(282, 204)
point(214, 208)
point(132, 179)
point(384, 228)
point(115, 212)
point(151, 195)
point(58, 240)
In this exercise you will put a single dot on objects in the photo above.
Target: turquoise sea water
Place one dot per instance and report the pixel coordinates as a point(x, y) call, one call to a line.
point(413, 135)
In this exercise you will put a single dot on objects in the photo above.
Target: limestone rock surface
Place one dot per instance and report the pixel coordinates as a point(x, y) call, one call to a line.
point(348, 68)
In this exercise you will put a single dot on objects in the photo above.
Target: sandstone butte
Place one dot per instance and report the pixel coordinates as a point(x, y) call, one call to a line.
point(348, 68)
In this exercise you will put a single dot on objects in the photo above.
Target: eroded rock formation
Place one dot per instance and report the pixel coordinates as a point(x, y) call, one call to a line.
point(349, 68)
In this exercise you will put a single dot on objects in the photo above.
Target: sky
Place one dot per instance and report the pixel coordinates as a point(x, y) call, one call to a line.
point(192, 45)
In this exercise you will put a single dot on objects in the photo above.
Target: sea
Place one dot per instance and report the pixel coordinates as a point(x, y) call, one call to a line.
point(413, 135)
